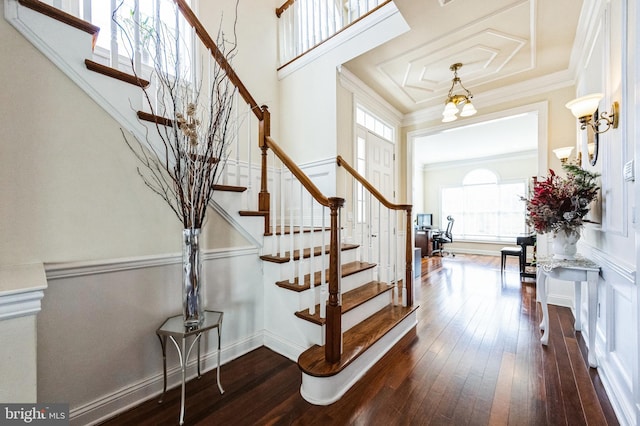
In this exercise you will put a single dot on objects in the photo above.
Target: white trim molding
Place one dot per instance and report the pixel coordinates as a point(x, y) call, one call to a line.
point(21, 289)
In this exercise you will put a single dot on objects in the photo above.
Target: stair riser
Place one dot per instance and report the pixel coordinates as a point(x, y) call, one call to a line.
point(299, 301)
point(326, 390)
point(308, 265)
point(282, 243)
point(364, 311)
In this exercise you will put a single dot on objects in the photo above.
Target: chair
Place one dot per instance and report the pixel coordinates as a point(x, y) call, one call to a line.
point(510, 251)
point(442, 238)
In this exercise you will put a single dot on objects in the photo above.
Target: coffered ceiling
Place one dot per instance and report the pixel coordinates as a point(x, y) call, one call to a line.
point(500, 42)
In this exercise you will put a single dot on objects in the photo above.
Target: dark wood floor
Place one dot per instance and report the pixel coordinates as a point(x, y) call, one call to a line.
point(473, 359)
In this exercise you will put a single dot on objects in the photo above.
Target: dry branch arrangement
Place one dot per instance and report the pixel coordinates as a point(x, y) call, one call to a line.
point(186, 161)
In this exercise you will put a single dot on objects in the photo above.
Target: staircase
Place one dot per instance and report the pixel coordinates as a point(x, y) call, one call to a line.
point(333, 302)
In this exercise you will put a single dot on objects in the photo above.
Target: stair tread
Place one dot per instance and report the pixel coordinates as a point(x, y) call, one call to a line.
point(350, 300)
point(296, 230)
point(347, 269)
point(229, 188)
point(158, 119)
point(317, 251)
point(115, 73)
point(64, 17)
point(355, 342)
point(253, 213)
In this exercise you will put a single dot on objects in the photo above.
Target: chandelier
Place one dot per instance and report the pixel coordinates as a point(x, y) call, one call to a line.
point(453, 100)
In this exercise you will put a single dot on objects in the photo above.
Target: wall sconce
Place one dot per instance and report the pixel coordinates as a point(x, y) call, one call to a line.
point(591, 148)
point(563, 153)
point(585, 109)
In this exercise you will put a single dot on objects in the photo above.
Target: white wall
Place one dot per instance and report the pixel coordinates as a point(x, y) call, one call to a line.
point(97, 348)
point(308, 88)
point(607, 63)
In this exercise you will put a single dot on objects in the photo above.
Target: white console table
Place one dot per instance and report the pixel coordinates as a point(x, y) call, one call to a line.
point(579, 270)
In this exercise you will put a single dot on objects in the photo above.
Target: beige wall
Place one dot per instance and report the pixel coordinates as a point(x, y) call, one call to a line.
point(70, 190)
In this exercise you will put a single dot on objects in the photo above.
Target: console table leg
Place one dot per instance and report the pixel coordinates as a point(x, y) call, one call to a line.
point(577, 295)
point(163, 343)
point(541, 291)
point(199, 375)
point(218, 369)
point(183, 365)
point(592, 281)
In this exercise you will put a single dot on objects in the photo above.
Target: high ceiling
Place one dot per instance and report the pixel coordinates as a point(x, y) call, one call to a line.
point(500, 42)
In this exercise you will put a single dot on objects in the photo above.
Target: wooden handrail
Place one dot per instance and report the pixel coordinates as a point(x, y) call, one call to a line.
point(388, 204)
point(208, 42)
point(298, 173)
point(284, 7)
point(408, 276)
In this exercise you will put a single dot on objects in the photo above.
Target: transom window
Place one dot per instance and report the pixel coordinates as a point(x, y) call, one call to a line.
point(373, 124)
point(484, 208)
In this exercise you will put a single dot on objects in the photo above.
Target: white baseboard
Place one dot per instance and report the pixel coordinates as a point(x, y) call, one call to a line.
point(282, 346)
point(102, 409)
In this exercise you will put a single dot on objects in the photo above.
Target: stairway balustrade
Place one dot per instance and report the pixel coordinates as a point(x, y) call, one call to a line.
point(297, 213)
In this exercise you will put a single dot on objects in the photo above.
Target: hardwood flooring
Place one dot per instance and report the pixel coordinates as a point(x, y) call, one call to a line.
point(473, 359)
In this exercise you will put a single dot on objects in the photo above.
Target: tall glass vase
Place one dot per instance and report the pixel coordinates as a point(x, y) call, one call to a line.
point(192, 292)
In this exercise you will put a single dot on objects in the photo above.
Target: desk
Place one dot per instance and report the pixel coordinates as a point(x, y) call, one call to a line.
point(174, 328)
point(579, 270)
point(423, 241)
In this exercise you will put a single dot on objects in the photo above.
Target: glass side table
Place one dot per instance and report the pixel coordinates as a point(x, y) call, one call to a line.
point(174, 329)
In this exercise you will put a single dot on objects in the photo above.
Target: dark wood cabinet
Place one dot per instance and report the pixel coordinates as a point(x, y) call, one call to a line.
point(423, 241)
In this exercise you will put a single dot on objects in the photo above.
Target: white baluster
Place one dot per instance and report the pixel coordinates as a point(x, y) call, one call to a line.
point(283, 214)
point(250, 196)
point(274, 203)
point(137, 40)
point(361, 217)
point(301, 239)
point(86, 10)
point(291, 234)
point(312, 308)
point(388, 256)
point(114, 38)
point(324, 293)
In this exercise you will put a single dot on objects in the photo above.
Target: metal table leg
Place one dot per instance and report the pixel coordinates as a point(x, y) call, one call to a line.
point(163, 343)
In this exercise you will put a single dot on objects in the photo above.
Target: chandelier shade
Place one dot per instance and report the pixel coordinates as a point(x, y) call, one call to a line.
point(454, 101)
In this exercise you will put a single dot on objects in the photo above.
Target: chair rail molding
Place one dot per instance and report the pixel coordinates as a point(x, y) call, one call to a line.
point(21, 289)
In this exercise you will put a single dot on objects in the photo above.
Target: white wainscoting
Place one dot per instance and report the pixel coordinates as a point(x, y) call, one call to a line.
point(617, 343)
point(97, 348)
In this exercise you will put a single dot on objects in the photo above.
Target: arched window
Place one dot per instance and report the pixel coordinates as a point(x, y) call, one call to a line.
point(484, 208)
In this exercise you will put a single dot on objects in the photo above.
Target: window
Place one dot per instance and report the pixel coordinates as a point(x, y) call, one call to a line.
point(485, 209)
point(373, 124)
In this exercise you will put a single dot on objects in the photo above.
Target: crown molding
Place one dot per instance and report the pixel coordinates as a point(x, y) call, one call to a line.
point(352, 83)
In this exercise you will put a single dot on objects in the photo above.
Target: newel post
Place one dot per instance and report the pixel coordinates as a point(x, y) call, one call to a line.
point(264, 200)
point(333, 344)
point(409, 259)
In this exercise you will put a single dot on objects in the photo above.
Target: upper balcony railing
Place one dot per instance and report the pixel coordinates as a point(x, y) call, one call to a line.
point(305, 24)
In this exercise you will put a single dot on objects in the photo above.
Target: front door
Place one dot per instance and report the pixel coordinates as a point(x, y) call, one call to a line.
point(379, 170)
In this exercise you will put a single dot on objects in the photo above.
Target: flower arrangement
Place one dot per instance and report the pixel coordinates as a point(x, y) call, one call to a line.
point(561, 203)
